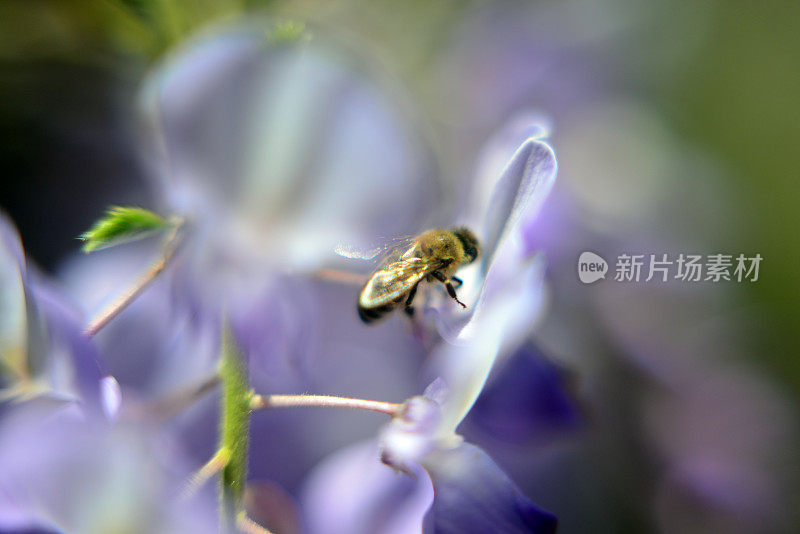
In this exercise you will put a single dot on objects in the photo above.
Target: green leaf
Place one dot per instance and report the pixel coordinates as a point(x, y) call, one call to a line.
point(234, 430)
point(287, 32)
point(122, 224)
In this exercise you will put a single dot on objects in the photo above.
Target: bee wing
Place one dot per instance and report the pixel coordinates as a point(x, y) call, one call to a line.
point(356, 253)
point(381, 254)
point(397, 278)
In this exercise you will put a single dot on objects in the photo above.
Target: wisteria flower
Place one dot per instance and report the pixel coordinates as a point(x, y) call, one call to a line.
point(273, 154)
point(62, 472)
point(42, 349)
point(276, 153)
point(504, 292)
point(470, 492)
point(65, 464)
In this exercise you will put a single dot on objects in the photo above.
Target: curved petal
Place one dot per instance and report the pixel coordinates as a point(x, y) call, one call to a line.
point(270, 506)
point(151, 348)
point(498, 327)
point(13, 344)
point(60, 468)
point(41, 332)
point(277, 333)
point(351, 492)
point(527, 400)
point(291, 148)
point(520, 191)
point(11, 243)
point(110, 397)
point(413, 433)
point(473, 495)
point(67, 360)
point(515, 199)
point(496, 154)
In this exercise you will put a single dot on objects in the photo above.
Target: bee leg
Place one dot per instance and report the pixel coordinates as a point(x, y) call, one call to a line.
point(409, 309)
point(458, 281)
point(449, 285)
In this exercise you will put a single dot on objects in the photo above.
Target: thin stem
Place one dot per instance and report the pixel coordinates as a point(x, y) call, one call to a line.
point(171, 243)
point(216, 464)
point(248, 526)
point(174, 403)
point(258, 402)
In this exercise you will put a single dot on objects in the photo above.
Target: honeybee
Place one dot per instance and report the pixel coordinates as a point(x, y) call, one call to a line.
point(434, 255)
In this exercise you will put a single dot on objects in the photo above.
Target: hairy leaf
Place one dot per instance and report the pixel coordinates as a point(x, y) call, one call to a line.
point(121, 224)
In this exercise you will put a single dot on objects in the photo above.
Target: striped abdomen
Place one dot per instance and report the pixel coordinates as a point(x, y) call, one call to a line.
point(369, 314)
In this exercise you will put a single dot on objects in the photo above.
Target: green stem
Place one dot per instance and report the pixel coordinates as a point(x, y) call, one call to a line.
point(234, 431)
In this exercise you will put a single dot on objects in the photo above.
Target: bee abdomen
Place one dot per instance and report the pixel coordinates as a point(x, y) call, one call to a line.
point(370, 314)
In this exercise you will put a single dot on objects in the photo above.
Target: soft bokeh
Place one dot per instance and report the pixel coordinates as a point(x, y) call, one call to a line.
point(631, 407)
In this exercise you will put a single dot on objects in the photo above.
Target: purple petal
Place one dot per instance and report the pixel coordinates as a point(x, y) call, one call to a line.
point(518, 194)
point(503, 319)
point(271, 507)
point(496, 154)
point(31, 530)
point(43, 329)
point(504, 206)
point(152, 347)
point(529, 399)
point(556, 231)
point(415, 431)
point(58, 467)
point(296, 147)
point(59, 350)
point(351, 492)
point(436, 391)
point(473, 495)
point(275, 331)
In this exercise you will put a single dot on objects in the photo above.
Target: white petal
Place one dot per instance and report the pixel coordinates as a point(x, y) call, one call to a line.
point(502, 321)
point(13, 344)
point(519, 193)
point(110, 397)
point(300, 143)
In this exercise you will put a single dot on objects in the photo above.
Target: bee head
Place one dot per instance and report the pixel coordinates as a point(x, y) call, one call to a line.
point(469, 242)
